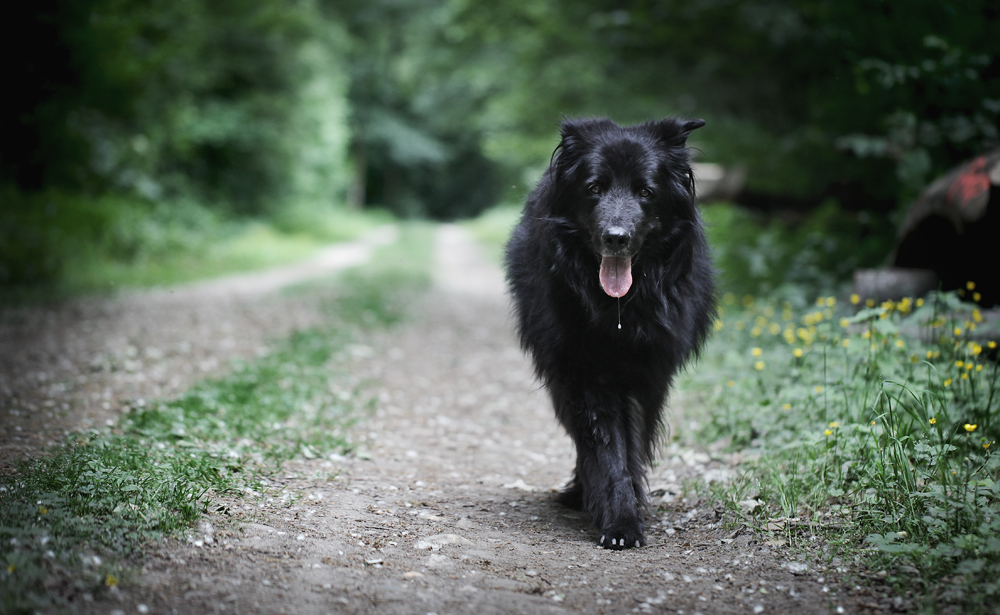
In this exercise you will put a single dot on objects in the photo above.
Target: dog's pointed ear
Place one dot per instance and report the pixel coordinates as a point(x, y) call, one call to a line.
point(673, 131)
point(577, 136)
point(579, 132)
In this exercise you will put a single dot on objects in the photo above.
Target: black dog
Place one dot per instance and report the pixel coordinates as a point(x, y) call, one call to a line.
point(612, 286)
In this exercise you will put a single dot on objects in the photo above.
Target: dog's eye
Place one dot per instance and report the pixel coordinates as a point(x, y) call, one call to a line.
point(594, 189)
point(645, 193)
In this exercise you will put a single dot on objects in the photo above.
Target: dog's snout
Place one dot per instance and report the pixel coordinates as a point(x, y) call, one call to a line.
point(616, 238)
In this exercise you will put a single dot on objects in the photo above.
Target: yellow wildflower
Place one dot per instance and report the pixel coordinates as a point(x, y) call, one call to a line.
point(831, 301)
point(787, 407)
point(991, 344)
point(977, 315)
point(855, 299)
point(756, 331)
point(844, 323)
point(834, 424)
point(976, 296)
point(959, 364)
point(947, 382)
point(111, 580)
point(730, 383)
point(828, 432)
point(957, 331)
point(11, 568)
point(819, 389)
point(798, 353)
point(774, 328)
point(756, 352)
point(970, 427)
point(759, 365)
point(970, 285)
point(845, 343)
point(900, 344)
point(869, 302)
point(919, 302)
point(866, 334)
point(718, 324)
point(932, 420)
point(43, 510)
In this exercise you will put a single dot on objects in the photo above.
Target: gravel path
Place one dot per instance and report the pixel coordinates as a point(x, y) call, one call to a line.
point(79, 365)
point(448, 506)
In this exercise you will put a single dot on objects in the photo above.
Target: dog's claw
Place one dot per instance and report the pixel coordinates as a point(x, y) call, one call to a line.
point(602, 539)
point(637, 544)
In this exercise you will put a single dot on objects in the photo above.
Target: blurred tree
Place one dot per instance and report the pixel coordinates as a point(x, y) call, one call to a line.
point(231, 102)
point(416, 140)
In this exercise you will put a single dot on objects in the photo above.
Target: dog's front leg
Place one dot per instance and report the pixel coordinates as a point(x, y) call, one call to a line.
point(604, 486)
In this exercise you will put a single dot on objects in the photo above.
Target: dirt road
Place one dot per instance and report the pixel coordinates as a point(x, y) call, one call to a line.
point(448, 505)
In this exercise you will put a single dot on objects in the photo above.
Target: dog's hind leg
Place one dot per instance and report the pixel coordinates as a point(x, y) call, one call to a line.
point(610, 478)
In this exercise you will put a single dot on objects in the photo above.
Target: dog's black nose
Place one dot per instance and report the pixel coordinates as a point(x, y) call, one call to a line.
point(615, 238)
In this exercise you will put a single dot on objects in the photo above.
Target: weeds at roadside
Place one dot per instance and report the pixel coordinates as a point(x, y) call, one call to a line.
point(72, 520)
point(881, 423)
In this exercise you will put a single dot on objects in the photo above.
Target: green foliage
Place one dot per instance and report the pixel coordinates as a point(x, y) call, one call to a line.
point(70, 519)
point(759, 255)
point(55, 243)
point(238, 103)
point(415, 112)
point(858, 101)
point(885, 419)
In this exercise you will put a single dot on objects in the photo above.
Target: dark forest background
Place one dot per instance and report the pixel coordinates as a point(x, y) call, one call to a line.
point(135, 125)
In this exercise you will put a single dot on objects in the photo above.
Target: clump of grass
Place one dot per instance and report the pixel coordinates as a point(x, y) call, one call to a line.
point(492, 228)
point(71, 520)
point(881, 421)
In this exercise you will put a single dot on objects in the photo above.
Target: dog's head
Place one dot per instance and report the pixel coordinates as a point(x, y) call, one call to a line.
point(621, 183)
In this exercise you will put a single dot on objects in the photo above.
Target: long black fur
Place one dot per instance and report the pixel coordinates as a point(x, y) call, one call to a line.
point(609, 384)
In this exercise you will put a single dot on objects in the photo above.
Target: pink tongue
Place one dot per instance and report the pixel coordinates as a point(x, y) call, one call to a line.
point(616, 275)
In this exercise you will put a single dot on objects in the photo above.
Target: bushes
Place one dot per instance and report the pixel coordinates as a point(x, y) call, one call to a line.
point(758, 255)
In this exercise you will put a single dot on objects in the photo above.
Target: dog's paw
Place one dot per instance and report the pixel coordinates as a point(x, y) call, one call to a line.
point(622, 537)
